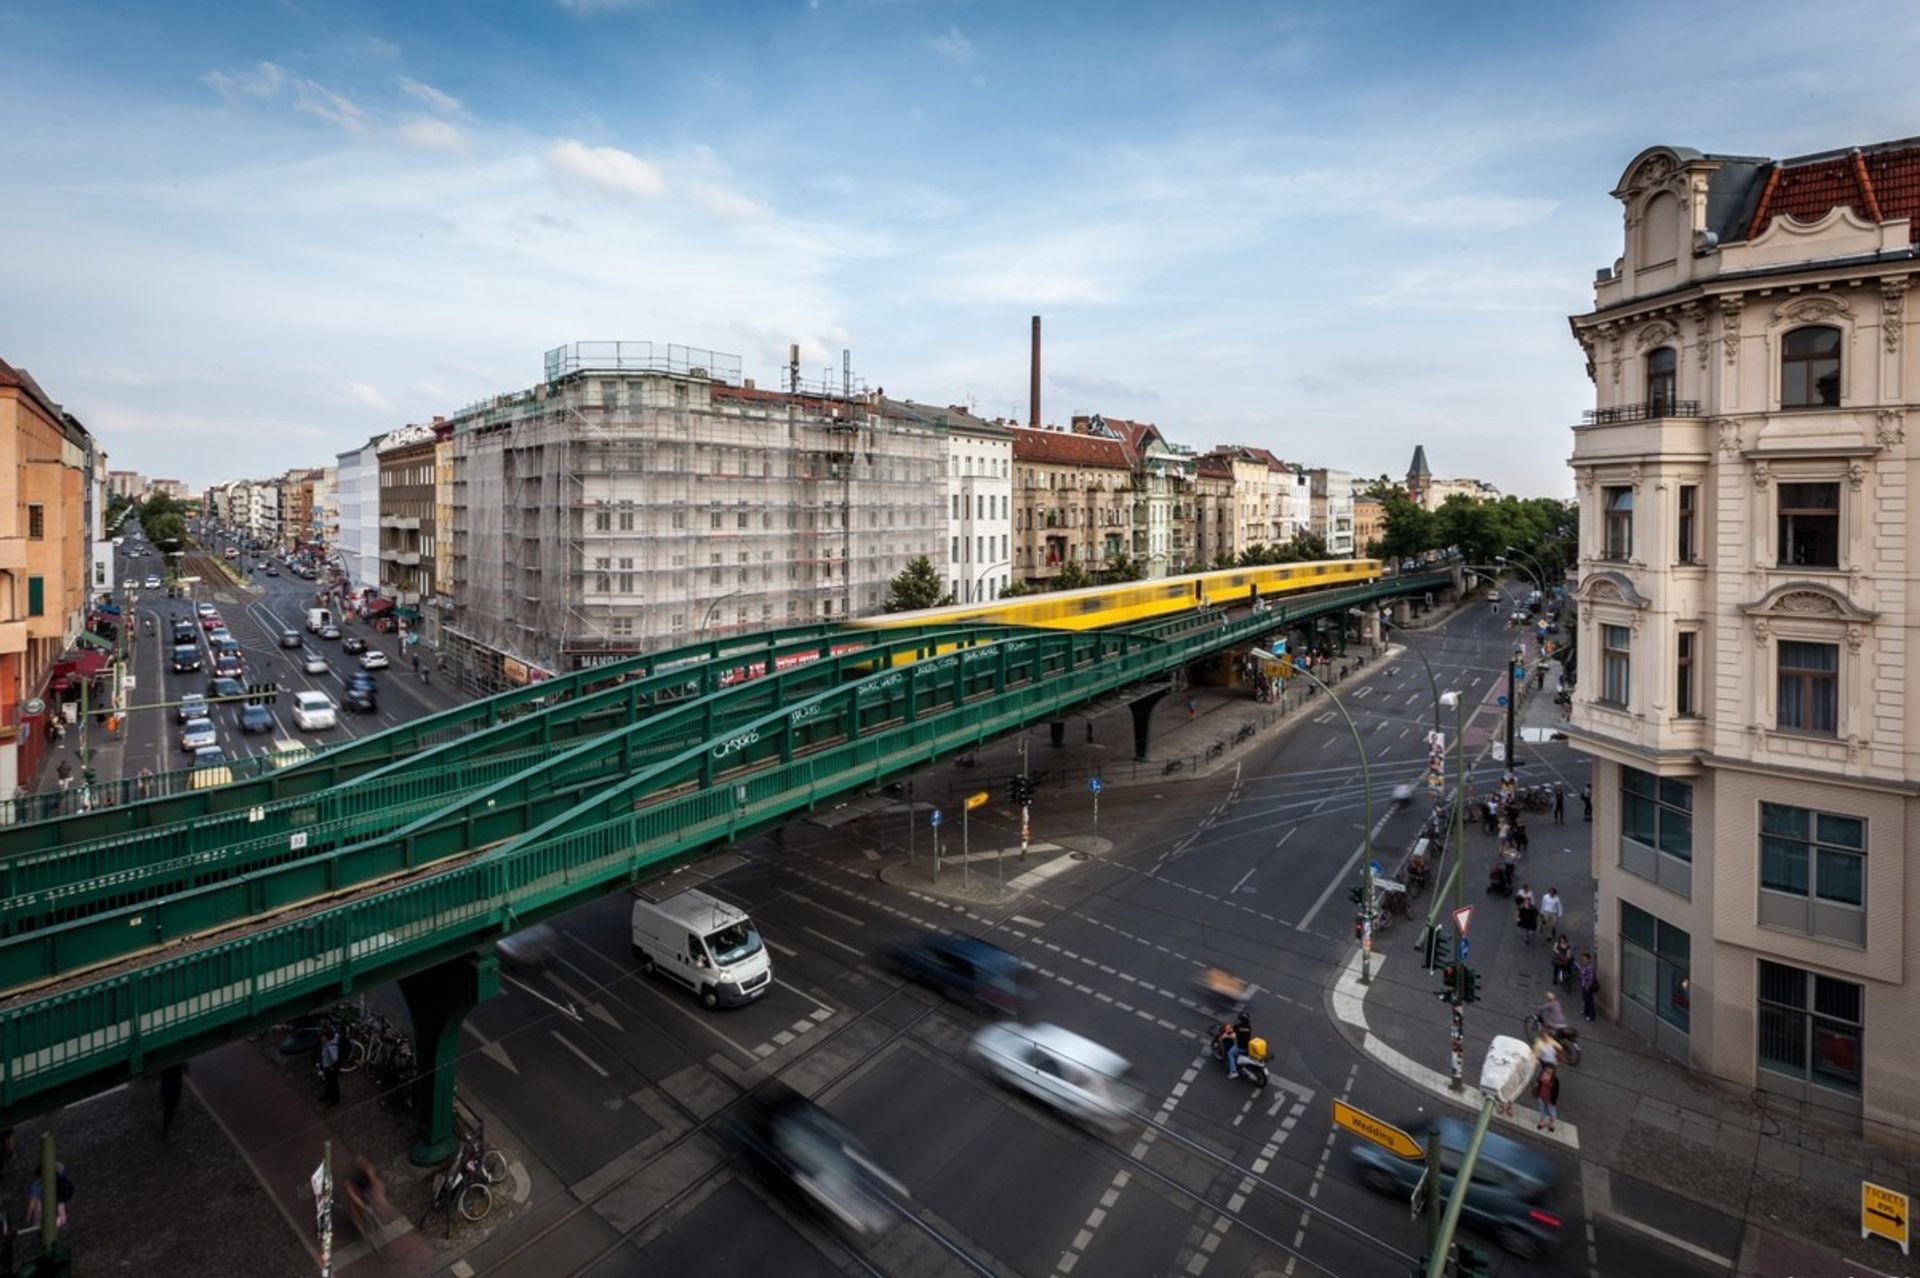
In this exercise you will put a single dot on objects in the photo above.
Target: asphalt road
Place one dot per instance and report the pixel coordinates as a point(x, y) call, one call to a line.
point(610, 1080)
point(255, 615)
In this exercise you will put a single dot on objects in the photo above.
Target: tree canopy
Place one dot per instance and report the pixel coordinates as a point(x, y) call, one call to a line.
point(918, 586)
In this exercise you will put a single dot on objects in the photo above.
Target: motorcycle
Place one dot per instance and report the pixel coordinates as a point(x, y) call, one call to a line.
point(1253, 1063)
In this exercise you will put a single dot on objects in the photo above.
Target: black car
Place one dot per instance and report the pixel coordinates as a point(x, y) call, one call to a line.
point(360, 699)
point(186, 656)
point(223, 686)
point(255, 719)
point(1508, 1198)
point(185, 632)
point(965, 969)
point(353, 643)
point(812, 1159)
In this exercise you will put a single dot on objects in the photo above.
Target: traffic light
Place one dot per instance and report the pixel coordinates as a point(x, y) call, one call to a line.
point(1449, 977)
point(1439, 948)
point(1471, 992)
point(1020, 790)
point(1013, 791)
point(262, 693)
point(1470, 1263)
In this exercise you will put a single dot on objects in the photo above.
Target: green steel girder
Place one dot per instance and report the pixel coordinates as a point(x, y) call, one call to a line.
point(64, 1044)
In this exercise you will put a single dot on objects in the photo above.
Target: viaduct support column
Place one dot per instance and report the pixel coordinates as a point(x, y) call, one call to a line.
point(438, 1000)
point(1143, 720)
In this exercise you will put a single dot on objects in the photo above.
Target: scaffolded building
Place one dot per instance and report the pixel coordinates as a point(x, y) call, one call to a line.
point(645, 495)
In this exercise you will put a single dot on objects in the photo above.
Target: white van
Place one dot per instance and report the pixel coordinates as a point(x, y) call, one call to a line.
point(318, 619)
point(705, 944)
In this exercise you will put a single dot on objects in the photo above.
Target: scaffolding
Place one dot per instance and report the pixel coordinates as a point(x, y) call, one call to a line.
point(635, 501)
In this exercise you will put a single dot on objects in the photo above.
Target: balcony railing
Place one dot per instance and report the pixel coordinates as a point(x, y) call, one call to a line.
point(1652, 410)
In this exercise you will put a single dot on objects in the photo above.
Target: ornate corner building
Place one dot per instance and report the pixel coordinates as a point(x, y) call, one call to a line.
point(1747, 639)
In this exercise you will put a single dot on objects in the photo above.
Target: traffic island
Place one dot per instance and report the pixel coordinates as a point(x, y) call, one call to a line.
point(997, 877)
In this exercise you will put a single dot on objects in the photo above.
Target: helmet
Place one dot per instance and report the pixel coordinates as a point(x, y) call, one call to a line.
point(1257, 1048)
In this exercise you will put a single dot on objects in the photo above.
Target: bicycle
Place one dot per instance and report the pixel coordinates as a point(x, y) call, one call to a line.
point(487, 1161)
point(1566, 1041)
point(459, 1189)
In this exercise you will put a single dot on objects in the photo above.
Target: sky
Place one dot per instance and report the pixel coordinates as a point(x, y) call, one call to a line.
point(237, 238)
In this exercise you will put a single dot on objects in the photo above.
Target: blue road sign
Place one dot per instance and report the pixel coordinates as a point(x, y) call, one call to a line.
point(1374, 866)
point(1279, 647)
point(1093, 784)
point(1464, 948)
point(1519, 671)
point(934, 818)
point(1501, 701)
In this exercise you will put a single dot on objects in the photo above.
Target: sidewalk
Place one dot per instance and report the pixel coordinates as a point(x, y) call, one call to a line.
point(1732, 1178)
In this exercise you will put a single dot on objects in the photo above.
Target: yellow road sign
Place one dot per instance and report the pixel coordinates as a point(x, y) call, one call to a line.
point(1884, 1212)
point(976, 800)
point(1383, 1134)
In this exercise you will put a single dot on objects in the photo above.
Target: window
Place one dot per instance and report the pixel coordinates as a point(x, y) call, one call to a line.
point(1685, 694)
point(1810, 525)
point(602, 521)
point(1810, 369)
point(1657, 812)
point(1820, 855)
point(1655, 966)
point(36, 522)
point(1809, 687)
point(1618, 504)
point(1687, 525)
point(626, 521)
point(622, 626)
point(36, 596)
point(1660, 396)
point(1810, 1026)
point(1616, 643)
point(601, 582)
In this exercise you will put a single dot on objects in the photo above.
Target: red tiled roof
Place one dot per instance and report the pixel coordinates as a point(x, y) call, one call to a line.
point(1878, 184)
point(1215, 466)
point(1135, 434)
point(1058, 448)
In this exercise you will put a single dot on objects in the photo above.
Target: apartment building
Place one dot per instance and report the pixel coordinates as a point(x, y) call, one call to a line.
point(356, 530)
point(1162, 534)
point(976, 559)
point(1331, 496)
point(644, 495)
point(128, 484)
point(406, 520)
point(1214, 515)
point(46, 551)
point(1369, 523)
point(1746, 616)
point(1072, 503)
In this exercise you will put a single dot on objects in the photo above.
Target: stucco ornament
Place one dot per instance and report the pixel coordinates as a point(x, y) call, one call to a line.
point(1729, 436)
point(1614, 345)
point(1658, 333)
point(1761, 474)
point(1808, 309)
point(1889, 430)
point(1730, 308)
point(1696, 315)
point(1893, 305)
point(1856, 475)
point(1807, 604)
point(1855, 637)
point(1761, 632)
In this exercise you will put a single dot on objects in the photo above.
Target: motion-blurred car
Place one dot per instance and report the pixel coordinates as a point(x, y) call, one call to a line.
point(810, 1157)
point(329, 632)
point(186, 656)
point(313, 711)
point(530, 947)
point(1508, 1198)
point(193, 706)
point(256, 719)
point(360, 700)
point(374, 659)
point(314, 663)
point(289, 638)
point(224, 686)
point(210, 757)
point(1059, 1068)
point(353, 644)
point(153, 582)
point(204, 610)
point(965, 969)
point(197, 734)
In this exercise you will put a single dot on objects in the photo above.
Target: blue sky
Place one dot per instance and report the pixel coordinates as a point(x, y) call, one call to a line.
point(238, 238)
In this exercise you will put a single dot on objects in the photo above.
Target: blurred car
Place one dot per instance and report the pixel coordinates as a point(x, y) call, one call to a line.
point(313, 711)
point(360, 700)
point(193, 706)
point(210, 622)
point(272, 571)
point(256, 719)
point(204, 610)
point(353, 644)
point(530, 947)
point(227, 666)
point(289, 638)
point(210, 757)
point(806, 1153)
point(965, 969)
point(183, 632)
point(220, 635)
point(1060, 1069)
point(153, 582)
point(197, 734)
point(1508, 1198)
point(186, 656)
point(374, 659)
point(315, 663)
point(329, 632)
point(224, 686)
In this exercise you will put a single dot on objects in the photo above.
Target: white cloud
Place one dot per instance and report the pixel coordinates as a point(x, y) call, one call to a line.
point(268, 80)
point(953, 44)
point(722, 202)
point(365, 394)
point(262, 81)
point(432, 135)
point(605, 167)
point(444, 103)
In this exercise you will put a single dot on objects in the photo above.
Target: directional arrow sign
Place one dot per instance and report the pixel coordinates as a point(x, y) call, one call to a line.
point(1380, 1132)
point(1885, 1212)
point(934, 817)
point(1093, 784)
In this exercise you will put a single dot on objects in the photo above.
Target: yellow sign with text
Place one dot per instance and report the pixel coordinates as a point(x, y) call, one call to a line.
point(1883, 1211)
point(1381, 1133)
point(976, 800)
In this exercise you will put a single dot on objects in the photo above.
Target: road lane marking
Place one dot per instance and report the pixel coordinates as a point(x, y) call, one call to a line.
point(569, 1045)
point(831, 941)
point(806, 900)
point(1243, 881)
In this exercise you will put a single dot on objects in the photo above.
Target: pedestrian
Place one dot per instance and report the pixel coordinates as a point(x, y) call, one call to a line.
point(1527, 914)
point(62, 1195)
point(1546, 1091)
point(65, 773)
point(1559, 803)
point(1520, 836)
point(1586, 802)
point(1550, 911)
point(172, 1082)
point(1192, 707)
point(330, 1066)
point(1589, 984)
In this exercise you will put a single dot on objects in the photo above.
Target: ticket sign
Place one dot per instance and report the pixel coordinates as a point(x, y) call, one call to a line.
point(1379, 1131)
point(1883, 1211)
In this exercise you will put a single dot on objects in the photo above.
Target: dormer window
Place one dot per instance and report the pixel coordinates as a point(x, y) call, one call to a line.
point(1661, 397)
point(1810, 368)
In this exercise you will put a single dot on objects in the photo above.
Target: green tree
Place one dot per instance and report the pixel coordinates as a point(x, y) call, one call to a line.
point(1304, 548)
point(1225, 559)
point(1254, 556)
point(1017, 589)
point(918, 586)
point(165, 531)
point(1124, 568)
point(1072, 576)
point(1408, 530)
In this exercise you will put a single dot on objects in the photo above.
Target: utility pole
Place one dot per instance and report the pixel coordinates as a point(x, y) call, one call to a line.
point(1513, 667)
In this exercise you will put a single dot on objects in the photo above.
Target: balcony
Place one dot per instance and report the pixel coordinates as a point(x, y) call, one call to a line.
point(1652, 410)
point(405, 558)
point(404, 523)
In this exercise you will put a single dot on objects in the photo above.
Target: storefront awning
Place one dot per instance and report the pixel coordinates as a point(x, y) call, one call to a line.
point(87, 639)
point(85, 663)
point(378, 605)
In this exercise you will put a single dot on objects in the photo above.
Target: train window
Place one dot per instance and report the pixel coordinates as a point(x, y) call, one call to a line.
point(1093, 604)
point(1320, 570)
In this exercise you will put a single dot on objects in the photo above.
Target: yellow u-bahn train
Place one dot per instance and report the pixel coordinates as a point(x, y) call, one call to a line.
point(1131, 601)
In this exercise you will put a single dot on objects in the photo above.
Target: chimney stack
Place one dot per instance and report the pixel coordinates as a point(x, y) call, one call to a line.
point(1033, 387)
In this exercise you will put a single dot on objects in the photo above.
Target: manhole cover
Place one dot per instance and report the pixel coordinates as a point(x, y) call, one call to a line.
point(1076, 856)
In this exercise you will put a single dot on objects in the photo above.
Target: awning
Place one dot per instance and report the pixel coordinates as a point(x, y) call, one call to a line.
point(86, 663)
point(408, 614)
point(107, 607)
point(87, 639)
point(378, 605)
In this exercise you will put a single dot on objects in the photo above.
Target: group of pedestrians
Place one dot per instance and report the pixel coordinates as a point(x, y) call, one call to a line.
point(1533, 917)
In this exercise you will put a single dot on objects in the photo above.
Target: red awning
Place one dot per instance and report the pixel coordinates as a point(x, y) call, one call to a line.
point(84, 662)
point(378, 605)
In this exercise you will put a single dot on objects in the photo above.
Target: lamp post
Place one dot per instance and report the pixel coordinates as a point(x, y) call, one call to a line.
point(714, 607)
point(977, 577)
point(1513, 668)
point(1432, 683)
point(1457, 1028)
point(1366, 839)
point(1530, 566)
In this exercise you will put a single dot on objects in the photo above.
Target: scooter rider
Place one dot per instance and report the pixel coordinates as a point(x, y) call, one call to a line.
point(1242, 1031)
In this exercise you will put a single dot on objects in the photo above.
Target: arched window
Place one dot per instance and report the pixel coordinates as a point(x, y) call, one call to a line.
point(1660, 387)
point(1810, 368)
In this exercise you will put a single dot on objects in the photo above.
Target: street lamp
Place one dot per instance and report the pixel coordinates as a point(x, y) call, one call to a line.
point(1432, 683)
point(1458, 704)
point(1530, 566)
point(714, 607)
point(977, 577)
point(1366, 839)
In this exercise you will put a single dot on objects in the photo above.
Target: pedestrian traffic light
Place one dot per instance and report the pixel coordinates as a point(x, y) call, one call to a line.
point(1450, 978)
point(1439, 948)
point(1470, 993)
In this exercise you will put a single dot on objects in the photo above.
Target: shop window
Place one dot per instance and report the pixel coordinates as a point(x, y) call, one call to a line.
point(1811, 1027)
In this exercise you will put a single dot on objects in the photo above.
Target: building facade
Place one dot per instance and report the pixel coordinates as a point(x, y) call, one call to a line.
point(1746, 621)
point(644, 495)
point(1072, 503)
point(1369, 524)
point(1214, 513)
point(1332, 518)
point(357, 501)
point(976, 559)
point(406, 518)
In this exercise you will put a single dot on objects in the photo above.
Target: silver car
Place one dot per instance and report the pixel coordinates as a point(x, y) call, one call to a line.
point(198, 734)
point(1059, 1068)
